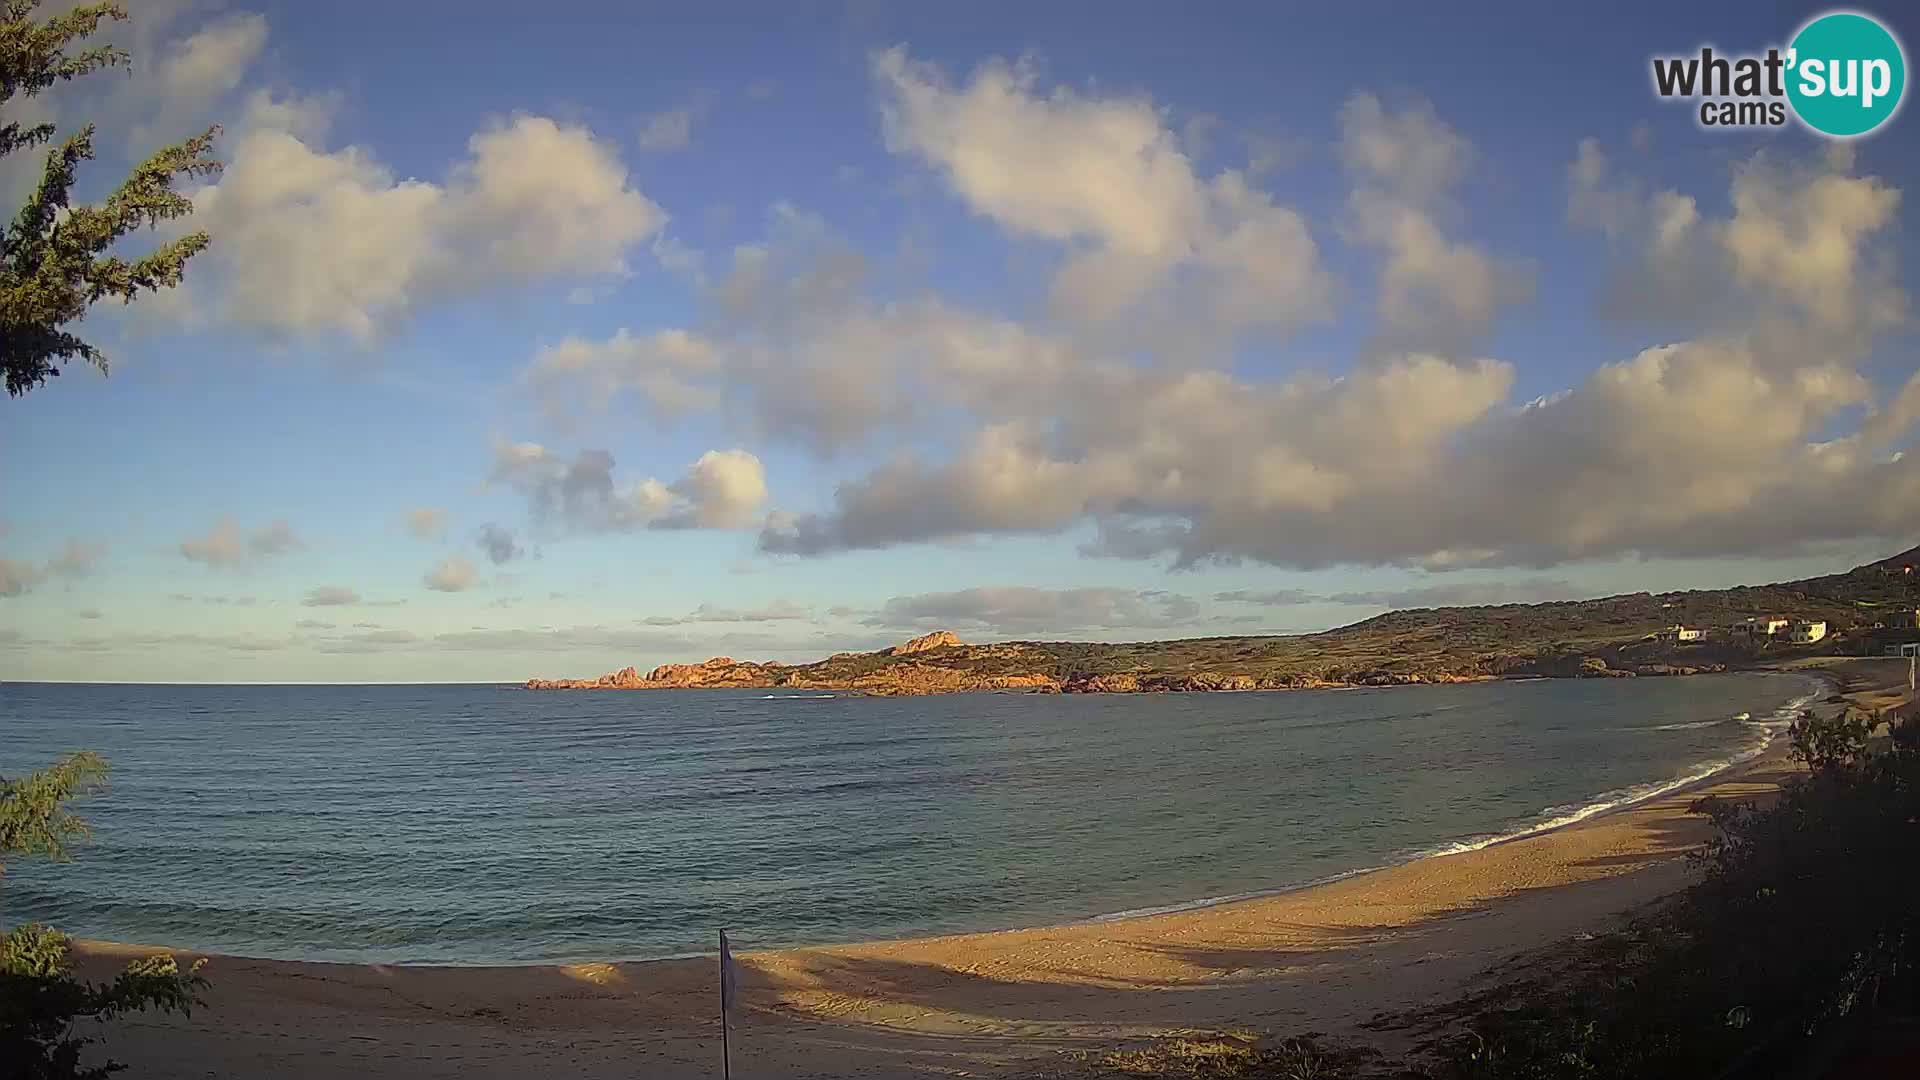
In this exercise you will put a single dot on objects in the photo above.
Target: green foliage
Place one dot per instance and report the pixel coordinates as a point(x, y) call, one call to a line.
point(1826, 742)
point(33, 815)
point(1230, 1056)
point(40, 999)
point(57, 258)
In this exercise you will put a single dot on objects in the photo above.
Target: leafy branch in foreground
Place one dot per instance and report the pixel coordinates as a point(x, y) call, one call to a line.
point(40, 999)
point(56, 258)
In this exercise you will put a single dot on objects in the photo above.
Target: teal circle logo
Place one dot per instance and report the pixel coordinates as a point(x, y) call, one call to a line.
point(1846, 74)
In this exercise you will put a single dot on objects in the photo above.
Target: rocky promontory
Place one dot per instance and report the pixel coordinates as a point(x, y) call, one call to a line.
point(1615, 637)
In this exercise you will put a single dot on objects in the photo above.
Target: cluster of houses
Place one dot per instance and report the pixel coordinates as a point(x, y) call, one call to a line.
point(1897, 633)
point(1802, 632)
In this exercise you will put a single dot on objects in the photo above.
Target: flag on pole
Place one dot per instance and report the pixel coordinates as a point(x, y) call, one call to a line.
point(729, 980)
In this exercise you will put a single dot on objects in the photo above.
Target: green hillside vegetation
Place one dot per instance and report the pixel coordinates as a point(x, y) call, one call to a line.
point(1513, 640)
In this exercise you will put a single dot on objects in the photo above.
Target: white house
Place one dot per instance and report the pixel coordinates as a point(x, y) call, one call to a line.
point(1806, 633)
point(1763, 627)
point(1688, 633)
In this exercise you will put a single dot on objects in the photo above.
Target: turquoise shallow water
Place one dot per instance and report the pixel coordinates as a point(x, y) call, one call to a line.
point(481, 824)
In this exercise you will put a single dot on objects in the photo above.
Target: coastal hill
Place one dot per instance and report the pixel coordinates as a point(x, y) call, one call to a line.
point(1615, 636)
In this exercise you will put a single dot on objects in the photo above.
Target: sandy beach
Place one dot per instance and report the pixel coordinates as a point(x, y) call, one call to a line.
point(1318, 959)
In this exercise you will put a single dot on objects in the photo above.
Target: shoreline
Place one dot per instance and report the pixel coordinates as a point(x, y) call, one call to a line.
point(1569, 815)
point(1326, 957)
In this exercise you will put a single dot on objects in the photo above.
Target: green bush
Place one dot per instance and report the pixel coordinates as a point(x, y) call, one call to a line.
point(40, 999)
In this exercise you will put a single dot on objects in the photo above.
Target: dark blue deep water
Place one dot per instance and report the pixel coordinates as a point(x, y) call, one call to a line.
point(481, 824)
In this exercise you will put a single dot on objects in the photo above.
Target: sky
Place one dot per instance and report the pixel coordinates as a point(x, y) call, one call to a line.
point(548, 339)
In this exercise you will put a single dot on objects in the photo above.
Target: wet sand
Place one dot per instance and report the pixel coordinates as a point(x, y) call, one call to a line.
point(1318, 959)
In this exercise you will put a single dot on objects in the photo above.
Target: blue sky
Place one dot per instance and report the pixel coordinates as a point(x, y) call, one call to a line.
point(773, 330)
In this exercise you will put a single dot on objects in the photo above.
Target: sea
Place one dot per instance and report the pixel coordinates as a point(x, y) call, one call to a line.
point(485, 824)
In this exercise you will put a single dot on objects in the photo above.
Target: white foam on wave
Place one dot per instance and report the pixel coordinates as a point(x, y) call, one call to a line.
point(1691, 726)
point(798, 697)
point(1555, 817)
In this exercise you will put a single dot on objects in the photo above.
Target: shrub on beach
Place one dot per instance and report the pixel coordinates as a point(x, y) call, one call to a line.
point(40, 999)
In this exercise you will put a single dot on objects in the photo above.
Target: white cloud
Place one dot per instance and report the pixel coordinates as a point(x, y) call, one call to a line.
point(1732, 439)
point(452, 574)
point(661, 368)
point(1799, 253)
point(191, 74)
point(1436, 294)
point(1126, 441)
point(330, 596)
point(1411, 153)
point(723, 489)
point(332, 242)
point(1105, 176)
point(227, 545)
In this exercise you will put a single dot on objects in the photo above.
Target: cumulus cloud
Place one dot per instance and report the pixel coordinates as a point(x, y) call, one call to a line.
point(452, 574)
point(1146, 444)
point(1732, 441)
point(330, 596)
point(1027, 610)
point(499, 544)
point(1148, 236)
point(722, 489)
point(228, 545)
point(189, 75)
point(1797, 254)
point(427, 522)
point(1436, 293)
point(662, 368)
point(317, 241)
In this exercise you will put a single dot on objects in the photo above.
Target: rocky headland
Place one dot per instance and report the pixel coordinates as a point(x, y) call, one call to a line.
point(1624, 636)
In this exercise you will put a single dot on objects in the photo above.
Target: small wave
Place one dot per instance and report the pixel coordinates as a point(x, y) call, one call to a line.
point(798, 697)
point(1690, 726)
point(1785, 714)
point(1562, 816)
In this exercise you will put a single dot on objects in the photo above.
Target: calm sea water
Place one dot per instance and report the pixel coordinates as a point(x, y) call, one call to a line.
point(479, 824)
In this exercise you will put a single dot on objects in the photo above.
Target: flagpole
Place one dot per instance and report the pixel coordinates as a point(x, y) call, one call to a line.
point(726, 1051)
